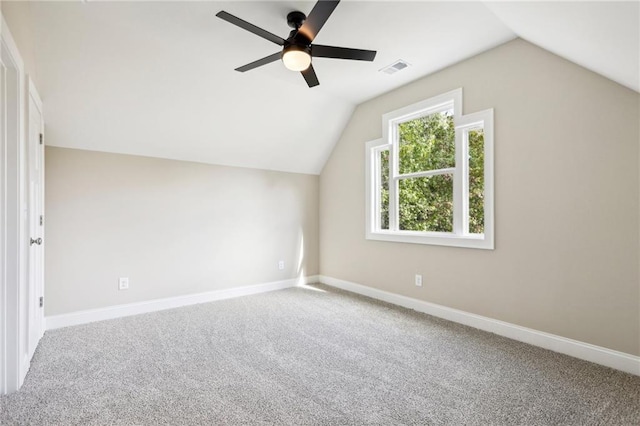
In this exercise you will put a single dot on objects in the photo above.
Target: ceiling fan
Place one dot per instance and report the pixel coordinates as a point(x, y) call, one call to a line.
point(297, 49)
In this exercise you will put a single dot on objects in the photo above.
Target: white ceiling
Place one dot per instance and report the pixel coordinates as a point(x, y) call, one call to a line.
point(601, 36)
point(157, 78)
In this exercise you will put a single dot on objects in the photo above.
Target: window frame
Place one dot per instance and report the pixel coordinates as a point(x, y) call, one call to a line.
point(460, 237)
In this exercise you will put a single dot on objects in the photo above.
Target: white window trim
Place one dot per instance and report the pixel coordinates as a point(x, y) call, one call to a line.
point(463, 123)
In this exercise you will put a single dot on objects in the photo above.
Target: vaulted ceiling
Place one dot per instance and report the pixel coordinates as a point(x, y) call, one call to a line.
point(158, 79)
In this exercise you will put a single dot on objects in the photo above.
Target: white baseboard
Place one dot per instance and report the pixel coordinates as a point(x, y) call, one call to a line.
point(597, 354)
point(118, 311)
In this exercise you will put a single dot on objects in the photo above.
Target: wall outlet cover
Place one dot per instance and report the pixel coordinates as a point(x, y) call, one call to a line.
point(418, 280)
point(123, 283)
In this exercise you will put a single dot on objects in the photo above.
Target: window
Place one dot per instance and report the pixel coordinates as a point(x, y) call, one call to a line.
point(430, 178)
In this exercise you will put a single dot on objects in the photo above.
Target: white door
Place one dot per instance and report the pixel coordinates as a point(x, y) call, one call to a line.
point(35, 167)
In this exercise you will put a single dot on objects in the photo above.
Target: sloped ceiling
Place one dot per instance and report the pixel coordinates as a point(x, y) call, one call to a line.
point(157, 78)
point(601, 36)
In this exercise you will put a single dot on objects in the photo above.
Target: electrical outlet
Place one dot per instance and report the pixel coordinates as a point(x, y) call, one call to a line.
point(281, 265)
point(123, 283)
point(418, 280)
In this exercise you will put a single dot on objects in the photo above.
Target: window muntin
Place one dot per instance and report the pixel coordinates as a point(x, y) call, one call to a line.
point(432, 175)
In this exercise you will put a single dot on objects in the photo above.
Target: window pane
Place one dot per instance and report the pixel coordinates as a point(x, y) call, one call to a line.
point(427, 143)
point(384, 189)
point(426, 203)
point(476, 181)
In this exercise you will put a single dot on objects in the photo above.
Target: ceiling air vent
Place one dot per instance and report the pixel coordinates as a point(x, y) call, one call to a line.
point(398, 65)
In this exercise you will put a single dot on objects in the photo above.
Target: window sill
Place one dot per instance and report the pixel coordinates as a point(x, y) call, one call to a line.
point(477, 241)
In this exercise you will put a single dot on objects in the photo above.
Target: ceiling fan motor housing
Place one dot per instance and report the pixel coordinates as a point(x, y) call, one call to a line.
point(296, 46)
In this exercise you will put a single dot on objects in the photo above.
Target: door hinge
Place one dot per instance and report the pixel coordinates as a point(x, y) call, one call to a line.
point(41, 301)
point(41, 138)
point(41, 220)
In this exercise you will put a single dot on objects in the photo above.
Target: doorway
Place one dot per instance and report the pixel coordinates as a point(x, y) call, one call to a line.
point(21, 205)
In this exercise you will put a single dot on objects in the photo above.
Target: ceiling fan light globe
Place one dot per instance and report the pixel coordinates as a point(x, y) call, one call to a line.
point(296, 60)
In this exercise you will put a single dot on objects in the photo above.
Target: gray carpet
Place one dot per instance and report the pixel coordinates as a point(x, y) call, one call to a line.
point(308, 357)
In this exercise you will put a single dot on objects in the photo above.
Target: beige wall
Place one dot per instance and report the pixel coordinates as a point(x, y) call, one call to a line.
point(566, 257)
point(17, 15)
point(172, 227)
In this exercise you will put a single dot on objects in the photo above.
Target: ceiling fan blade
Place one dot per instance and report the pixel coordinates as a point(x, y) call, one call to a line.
point(317, 18)
point(264, 61)
point(250, 27)
point(321, 51)
point(310, 76)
